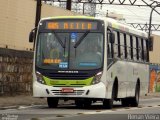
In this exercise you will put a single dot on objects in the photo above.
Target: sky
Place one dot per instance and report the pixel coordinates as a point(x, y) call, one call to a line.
point(132, 14)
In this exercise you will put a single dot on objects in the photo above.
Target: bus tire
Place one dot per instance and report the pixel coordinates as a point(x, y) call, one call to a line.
point(87, 103)
point(135, 99)
point(108, 103)
point(52, 102)
point(79, 103)
point(125, 102)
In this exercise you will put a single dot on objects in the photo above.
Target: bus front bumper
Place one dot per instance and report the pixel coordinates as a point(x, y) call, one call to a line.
point(92, 91)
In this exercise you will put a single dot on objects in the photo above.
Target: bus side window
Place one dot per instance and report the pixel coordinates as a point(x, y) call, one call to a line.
point(122, 45)
point(137, 48)
point(110, 50)
point(128, 46)
point(119, 45)
point(125, 46)
point(145, 49)
point(134, 48)
point(142, 53)
point(116, 45)
point(131, 46)
point(140, 49)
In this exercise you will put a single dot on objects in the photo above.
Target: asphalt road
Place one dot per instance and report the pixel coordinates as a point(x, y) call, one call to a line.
point(149, 109)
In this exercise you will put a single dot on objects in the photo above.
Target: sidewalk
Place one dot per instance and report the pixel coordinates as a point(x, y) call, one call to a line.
point(151, 95)
point(27, 100)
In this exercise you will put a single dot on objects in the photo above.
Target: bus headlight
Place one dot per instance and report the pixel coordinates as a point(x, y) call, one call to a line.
point(97, 78)
point(40, 78)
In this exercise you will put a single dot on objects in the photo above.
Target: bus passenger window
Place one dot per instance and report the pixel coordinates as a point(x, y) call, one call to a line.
point(128, 47)
point(134, 48)
point(142, 44)
point(119, 45)
point(145, 50)
point(125, 46)
point(137, 48)
point(140, 49)
point(131, 46)
point(116, 45)
point(122, 45)
point(110, 49)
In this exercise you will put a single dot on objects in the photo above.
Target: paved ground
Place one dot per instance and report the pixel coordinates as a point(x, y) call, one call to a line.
point(28, 100)
point(20, 100)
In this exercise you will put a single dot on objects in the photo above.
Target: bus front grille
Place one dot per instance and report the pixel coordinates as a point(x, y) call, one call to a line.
point(76, 92)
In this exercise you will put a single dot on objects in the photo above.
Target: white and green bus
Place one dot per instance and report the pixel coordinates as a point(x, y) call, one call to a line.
point(88, 59)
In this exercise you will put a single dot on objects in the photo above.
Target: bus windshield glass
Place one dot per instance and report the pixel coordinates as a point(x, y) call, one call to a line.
point(70, 50)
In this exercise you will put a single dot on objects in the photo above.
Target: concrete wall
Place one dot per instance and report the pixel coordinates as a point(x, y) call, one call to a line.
point(17, 18)
point(155, 54)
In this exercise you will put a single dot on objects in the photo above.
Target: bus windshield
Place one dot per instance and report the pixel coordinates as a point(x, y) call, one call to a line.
point(70, 50)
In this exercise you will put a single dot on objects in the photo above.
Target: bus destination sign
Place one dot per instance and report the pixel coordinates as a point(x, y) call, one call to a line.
point(72, 25)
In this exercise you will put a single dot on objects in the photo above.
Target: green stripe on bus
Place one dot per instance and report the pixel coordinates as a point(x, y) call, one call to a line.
point(59, 82)
point(68, 17)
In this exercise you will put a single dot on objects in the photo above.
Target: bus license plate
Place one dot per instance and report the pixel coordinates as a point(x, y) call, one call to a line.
point(67, 90)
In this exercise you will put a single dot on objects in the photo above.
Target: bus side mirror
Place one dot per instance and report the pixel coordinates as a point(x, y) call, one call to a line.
point(32, 35)
point(150, 42)
point(112, 37)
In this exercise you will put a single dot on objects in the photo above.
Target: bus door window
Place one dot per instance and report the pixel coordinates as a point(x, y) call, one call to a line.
point(116, 45)
point(134, 48)
point(110, 53)
point(128, 46)
point(122, 45)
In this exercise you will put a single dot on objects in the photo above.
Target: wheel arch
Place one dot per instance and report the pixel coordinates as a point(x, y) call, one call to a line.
point(115, 87)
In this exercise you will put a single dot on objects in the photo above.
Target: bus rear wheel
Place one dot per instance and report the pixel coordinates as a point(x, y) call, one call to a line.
point(52, 102)
point(135, 99)
point(125, 102)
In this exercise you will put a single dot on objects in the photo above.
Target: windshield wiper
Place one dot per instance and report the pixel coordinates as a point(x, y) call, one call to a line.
point(59, 40)
point(81, 38)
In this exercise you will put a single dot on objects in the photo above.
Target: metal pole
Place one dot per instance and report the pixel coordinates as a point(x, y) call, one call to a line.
point(150, 20)
point(68, 6)
point(38, 17)
point(149, 33)
point(38, 12)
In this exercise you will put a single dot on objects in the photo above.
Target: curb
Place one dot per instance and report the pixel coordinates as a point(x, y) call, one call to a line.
point(9, 107)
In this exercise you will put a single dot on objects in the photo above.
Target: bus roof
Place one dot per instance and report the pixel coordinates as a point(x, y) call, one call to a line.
point(123, 27)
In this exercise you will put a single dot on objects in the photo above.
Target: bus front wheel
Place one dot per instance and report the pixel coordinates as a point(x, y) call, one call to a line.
point(52, 102)
point(108, 103)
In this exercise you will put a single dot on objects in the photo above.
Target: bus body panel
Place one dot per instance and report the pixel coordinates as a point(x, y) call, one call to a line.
point(127, 74)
